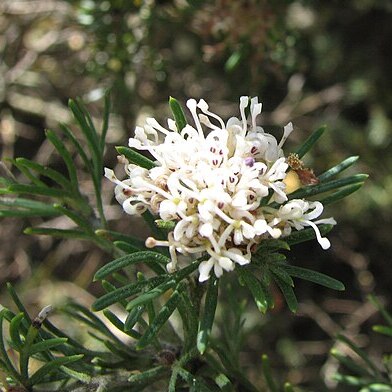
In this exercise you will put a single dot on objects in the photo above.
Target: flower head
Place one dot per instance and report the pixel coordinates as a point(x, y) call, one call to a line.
point(222, 184)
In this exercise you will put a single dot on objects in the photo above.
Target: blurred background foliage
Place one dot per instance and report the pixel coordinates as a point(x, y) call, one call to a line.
point(312, 62)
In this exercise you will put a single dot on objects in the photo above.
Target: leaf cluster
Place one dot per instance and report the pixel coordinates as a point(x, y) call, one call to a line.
point(360, 370)
point(142, 302)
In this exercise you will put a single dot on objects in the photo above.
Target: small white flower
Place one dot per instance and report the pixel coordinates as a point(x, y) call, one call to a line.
point(300, 213)
point(221, 183)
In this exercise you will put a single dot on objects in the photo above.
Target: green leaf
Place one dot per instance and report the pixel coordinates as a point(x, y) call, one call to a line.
point(4, 355)
point(267, 374)
point(133, 317)
point(310, 141)
point(77, 375)
point(296, 237)
point(281, 274)
point(288, 387)
point(105, 122)
point(14, 330)
point(333, 171)
point(125, 292)
point(178, 114)
point(38, 190)
point(166, 225)
point(149, 218)
point(45, 171)
point(288, 294)
point(313, 190)
point(149, 376)
point(87, 127)
point(271, 245)
point(313, 276)
point(25, 207)
point(255, 287)
point(24, 357)
point(51, 366)
point(349, 380)
point(64, 153)
point(376, 303)
point(109, 287)
point(360, 353)
point(87, 162)
point(350, 364)
point(24, 203)
point(120, 325)
point(115, 236)
point(135, 157)
point(273, 258)
point(46, 345)
point(234, 60)
point(224, 383)
point(17, 301)
point(196, 384)
point(27, 173)
point(166, 311)
point(80, 221)
point(58, 233)
point(22, 214)
point(125, 247)
point(83, 314)
point(382, 329)
point(377, 387)
point(208, 316)
point(151, 294)
point(341, 194)
point(127, 260)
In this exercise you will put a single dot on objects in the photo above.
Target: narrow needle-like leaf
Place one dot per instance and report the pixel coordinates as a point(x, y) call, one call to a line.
point(310, 141)
point(122, 262)
point(208, 316)
point(178, 113)
point(166, 311)
point(135, 157)
point(255, 287)
point(333, 171)
point(313, 276)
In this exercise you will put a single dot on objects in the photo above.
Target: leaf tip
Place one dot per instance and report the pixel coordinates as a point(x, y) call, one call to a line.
point(201, 347)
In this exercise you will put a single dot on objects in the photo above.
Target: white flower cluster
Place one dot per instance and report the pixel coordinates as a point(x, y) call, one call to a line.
point(211, 185)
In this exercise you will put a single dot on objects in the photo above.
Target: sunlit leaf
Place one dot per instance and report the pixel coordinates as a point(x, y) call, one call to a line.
point(135, 157)
point(178, 113)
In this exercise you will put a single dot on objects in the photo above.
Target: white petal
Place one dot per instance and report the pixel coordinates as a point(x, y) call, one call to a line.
point(247, 230)
point(236, 255)
point(218, 270)
point(180, 229)
point(167, 210)
point(260, 226)
point(317, 210)
point(203, 105)
point(239, 199)
point(286, 133)
point(324, 242)
point(206, 230)
point(226, 263)
point(172, 125)
point(238, 237)
point(204, 269)
point(132, 208)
